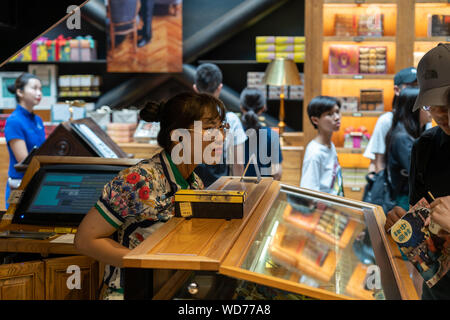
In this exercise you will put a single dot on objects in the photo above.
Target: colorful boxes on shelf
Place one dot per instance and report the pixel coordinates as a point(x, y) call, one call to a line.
point(365, 25)
point(81, 85)
point(59, 49)
point(372, 59)
point(272, 47)
point(353, 59)
point(255, 80)
point(356, 138)
point(344, 59)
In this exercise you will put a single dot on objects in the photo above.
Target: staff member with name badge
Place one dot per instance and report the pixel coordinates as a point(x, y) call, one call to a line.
point(24, 130)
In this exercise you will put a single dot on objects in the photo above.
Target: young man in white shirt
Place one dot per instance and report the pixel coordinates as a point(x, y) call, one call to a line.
point(321, 170)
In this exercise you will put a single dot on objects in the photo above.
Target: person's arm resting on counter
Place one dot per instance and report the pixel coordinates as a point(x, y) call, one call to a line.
point(92, 239)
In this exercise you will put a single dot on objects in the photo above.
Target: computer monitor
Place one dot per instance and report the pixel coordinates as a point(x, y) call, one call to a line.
point(61, 195)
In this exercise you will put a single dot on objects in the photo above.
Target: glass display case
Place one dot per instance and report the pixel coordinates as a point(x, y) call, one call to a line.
point(296, 242)
point(320, 246)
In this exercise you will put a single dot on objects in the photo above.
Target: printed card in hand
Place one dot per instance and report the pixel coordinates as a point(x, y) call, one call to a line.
point(429, 253)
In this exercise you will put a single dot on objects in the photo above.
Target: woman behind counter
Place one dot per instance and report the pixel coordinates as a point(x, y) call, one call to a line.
point(23, 129)
point(140, 198)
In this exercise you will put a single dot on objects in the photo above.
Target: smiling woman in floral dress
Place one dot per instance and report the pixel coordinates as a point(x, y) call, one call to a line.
point(141, 198)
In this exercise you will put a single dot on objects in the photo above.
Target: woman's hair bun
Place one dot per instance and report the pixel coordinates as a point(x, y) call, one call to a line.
point(151, 111)
point(12, 88)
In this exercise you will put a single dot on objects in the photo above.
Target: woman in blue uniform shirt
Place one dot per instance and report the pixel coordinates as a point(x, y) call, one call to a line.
point(23, 130)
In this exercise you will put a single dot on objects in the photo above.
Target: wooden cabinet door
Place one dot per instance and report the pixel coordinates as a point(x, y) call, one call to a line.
point(57, 276)
point(22, 281)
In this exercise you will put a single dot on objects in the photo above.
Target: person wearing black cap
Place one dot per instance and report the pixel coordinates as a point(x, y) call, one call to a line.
point(430, 155)
point(376, 147)
point(24, 130)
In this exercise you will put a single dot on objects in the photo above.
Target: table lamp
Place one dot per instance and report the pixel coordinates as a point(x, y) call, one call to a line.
point(282, 72)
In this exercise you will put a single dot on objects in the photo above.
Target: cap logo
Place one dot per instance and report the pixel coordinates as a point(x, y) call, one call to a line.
point(430, 74)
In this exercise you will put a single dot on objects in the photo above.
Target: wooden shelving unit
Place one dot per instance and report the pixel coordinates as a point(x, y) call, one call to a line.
point(405, 31)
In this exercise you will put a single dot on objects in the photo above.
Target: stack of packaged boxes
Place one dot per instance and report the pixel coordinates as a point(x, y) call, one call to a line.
point(121, 132)
point(59, 49)
point(79, 85)
point(269, 48)
point(255, 80)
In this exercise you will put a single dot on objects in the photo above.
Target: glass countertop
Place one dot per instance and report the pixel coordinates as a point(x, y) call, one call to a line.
point(318, 243)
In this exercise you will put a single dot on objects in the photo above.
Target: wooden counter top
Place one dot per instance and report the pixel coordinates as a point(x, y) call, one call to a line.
point(195, 244)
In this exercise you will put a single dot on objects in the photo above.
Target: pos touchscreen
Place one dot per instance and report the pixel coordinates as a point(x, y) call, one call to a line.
point(63, 194)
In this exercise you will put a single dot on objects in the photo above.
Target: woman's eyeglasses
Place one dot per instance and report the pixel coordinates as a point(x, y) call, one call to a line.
point(210, 133)
point(426, 108)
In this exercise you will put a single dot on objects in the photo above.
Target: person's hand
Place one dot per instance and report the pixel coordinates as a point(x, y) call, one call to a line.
point(440, 212)
point(393, 216)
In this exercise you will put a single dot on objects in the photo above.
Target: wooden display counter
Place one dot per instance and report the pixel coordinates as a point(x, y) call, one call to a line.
point(237, 249)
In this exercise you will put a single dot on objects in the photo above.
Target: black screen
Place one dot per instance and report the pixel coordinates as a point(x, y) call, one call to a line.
point(63, 194)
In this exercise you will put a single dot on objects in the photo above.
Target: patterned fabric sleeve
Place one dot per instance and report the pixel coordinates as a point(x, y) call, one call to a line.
point(122, 197)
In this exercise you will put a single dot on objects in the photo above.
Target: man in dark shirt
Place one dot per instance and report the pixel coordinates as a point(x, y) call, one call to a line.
point(208, 79)
point(430, 155)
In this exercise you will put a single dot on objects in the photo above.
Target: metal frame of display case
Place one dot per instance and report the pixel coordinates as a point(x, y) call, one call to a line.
point(219, 245)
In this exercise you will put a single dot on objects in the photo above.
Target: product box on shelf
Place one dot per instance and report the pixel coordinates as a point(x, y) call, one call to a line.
point(357, 138)
point(265, 39)
point(274, 92)
point(343, 59)
point(296, 56)
point(348, 104)
point(101, 116)
point(121, 132)
point(265, 56)
point(354, 177)
point(296, 92)
point(345, 25)
point(372, 59)
point(147, 132)
point(254, 78)
point(438, 25)
point(265, 48)
point(271, 47)
point(370, 25)
point(371, 100)
point(125, 116)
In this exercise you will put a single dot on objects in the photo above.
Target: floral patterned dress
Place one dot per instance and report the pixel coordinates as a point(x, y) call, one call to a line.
point(136, 202)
